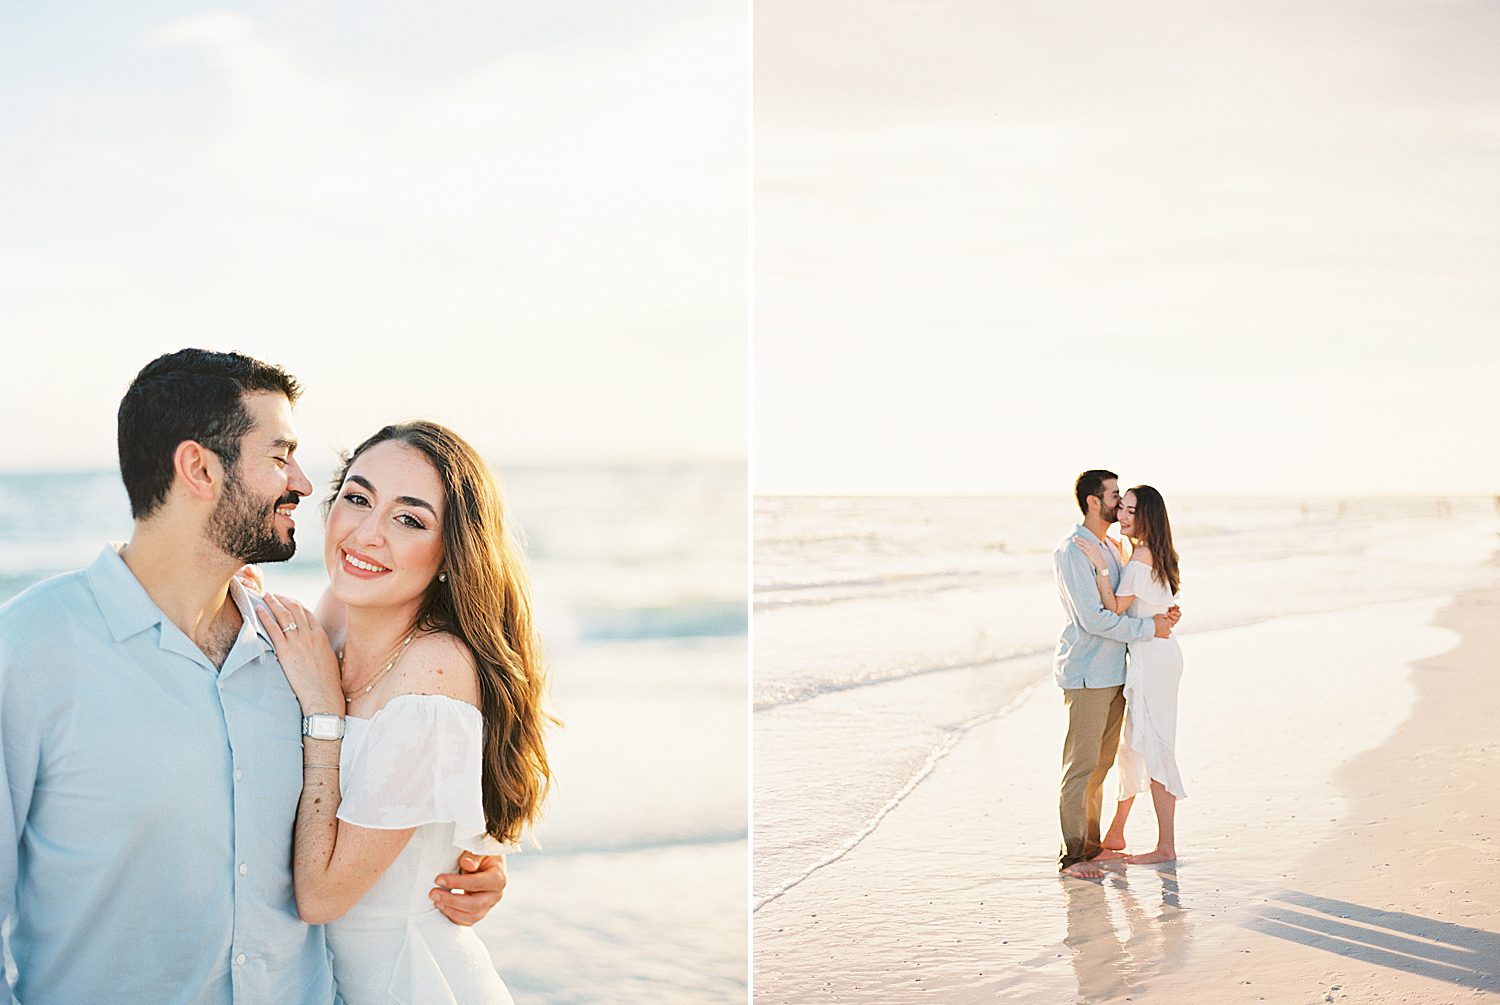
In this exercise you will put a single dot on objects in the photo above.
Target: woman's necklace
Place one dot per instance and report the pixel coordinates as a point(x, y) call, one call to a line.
point(362, 691)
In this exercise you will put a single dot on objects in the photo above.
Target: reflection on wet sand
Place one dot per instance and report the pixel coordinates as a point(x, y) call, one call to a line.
point(1123, 928)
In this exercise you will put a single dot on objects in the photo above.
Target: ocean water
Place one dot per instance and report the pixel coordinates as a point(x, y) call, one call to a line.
point(638, 891)
point(887, 629)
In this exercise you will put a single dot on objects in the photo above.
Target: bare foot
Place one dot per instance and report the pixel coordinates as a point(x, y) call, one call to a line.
point(1153, 857)
point(1109, 855)
point(1083, 870)
point(1113, 842)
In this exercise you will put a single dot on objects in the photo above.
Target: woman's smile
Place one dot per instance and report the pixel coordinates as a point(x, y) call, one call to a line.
point(361, 566)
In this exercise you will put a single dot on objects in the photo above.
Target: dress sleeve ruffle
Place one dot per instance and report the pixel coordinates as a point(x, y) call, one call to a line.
point(1137, 580)
point(1130, 580)
point(419, 763)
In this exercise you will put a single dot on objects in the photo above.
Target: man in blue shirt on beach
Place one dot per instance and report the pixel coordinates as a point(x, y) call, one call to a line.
point(1090, 668)
point(149, 741)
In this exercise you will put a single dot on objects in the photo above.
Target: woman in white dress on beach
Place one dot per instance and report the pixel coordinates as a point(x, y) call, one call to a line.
point(1148, 746)
point(430, 653)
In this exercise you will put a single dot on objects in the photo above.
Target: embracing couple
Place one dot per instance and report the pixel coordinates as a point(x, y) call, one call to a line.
point(1117, 665)
point(215, 795)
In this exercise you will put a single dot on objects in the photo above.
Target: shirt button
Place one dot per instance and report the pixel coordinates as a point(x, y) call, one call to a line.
point(240, 960)
point(244, 868)
point(236, 774)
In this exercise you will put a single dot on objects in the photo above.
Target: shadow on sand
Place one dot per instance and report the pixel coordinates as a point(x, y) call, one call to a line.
point(1467, 957)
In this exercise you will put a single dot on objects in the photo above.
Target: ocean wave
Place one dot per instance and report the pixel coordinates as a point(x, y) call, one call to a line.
point(778, 695)
point(774, 586)
point(897, 584)
point(799, 541)
point(769, 696)
point(706, 619)
point(935, 754)
point(643, 842)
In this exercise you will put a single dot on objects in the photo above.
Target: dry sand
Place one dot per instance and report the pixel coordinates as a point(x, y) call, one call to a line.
point(1341, 769)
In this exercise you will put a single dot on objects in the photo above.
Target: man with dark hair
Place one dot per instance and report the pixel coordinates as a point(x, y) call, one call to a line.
point(1090, 668)
point(149, 739)
point(191, 394)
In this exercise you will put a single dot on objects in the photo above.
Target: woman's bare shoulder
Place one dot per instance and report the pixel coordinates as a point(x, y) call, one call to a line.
point(439, 663)
point(1141, 554)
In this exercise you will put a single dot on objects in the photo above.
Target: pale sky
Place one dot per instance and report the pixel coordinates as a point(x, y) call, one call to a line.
point(1225, 247)
point(526, 220)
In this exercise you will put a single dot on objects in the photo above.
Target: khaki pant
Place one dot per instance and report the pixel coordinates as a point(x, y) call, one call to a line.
point(1094, 718)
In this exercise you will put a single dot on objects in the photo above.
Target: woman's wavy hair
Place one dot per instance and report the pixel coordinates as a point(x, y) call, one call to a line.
point(1153, 529)
point(485, 601)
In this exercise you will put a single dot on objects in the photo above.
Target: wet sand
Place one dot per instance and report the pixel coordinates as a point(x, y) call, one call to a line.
point(1333, 846)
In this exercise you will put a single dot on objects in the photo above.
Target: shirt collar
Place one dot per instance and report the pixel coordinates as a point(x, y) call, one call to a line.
point(247, 603)
point(252, 642)
point(129, 610)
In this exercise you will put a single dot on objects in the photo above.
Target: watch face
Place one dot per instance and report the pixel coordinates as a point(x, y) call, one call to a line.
point(324, 727)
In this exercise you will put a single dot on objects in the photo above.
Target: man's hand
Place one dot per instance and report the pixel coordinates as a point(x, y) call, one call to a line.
point(479, 888)
point(1163, 625)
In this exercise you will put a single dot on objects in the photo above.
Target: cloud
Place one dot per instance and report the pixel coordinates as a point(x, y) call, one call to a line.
point(212, 29)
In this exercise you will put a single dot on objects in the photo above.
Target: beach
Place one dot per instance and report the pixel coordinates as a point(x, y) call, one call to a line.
point(1332, 847)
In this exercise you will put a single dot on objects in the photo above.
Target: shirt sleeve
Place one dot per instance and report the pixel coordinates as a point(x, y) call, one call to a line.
point(20, 755)
point(1076, 573)
point(418, 763)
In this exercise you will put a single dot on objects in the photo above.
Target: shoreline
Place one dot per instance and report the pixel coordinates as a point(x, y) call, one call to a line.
point(953, 898)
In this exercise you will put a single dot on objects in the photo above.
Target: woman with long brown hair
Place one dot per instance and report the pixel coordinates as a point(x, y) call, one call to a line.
point(1148, 586)
point(429, 671)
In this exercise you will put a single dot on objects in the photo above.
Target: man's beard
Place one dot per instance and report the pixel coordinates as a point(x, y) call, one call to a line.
point(245, 530)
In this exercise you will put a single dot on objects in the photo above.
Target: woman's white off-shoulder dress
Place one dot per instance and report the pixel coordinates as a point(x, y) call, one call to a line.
point(1148, 745)
point(415, 763)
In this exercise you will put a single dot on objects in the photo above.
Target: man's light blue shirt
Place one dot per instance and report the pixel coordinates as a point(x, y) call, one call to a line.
point(146, 831)
point(1091, 649)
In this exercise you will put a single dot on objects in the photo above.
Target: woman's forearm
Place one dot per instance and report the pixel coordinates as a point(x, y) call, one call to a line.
point(1107, 593)
point(334, 863)
point(1106, 589)
point(317, 825)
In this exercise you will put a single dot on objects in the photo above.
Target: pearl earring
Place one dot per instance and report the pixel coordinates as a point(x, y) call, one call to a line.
point(442, 577)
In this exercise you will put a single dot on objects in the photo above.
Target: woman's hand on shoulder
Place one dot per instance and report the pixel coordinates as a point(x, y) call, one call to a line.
point(252, 579)
point(442, 664)
point(305, 654)
point(1093, 551)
